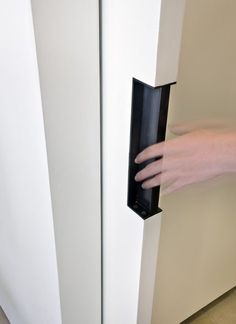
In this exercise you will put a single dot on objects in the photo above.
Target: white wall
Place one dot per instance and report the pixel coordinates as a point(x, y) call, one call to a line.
point(28, 272)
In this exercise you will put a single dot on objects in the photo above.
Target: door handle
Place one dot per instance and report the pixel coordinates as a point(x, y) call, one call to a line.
point(148, 126)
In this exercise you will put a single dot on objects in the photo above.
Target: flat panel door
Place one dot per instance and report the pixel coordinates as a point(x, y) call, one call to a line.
point(29, 291)
point(50, 210)
point(188, 249)
point(140, 40)
point(197, 256)
point(67, 40)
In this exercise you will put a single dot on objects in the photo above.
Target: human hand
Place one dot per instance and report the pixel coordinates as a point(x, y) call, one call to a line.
point(199, 154)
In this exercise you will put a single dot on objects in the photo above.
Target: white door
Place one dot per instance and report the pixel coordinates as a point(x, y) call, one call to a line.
point(71, 249)
point(140, 40)
point(197, 256)
point(163, 269)
point(50, 232)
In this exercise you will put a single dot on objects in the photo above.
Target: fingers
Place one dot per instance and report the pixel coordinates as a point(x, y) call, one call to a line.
point(153, 151)
point(170, 180)
point(161, 178)
point(173, 146)
point(149, 171)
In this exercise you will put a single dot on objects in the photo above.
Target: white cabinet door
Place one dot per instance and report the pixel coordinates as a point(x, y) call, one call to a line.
point(67, 40)
point(29, 291)
point(50, 232)
point(193, 240)
point(51, 191)
point(197, 256)
point(141, 40)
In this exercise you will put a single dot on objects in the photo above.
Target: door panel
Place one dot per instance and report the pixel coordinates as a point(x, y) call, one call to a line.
point(197, 256)
point(50, 210)
point(67, 39)
point(29, 291)
point(134, 45)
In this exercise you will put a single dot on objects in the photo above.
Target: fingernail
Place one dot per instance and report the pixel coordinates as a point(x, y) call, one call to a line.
point(136, 160)
point(143, 186)
point(136, 178)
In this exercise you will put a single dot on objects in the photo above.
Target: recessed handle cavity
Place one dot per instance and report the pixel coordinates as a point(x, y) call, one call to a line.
point(148, 126)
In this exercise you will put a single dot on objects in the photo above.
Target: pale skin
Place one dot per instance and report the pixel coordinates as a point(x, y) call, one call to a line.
point(201, 151)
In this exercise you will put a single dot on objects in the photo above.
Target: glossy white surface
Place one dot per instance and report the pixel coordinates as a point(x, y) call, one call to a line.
point(29, 290)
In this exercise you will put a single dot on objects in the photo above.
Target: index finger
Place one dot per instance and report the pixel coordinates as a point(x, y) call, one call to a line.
point(153, 151)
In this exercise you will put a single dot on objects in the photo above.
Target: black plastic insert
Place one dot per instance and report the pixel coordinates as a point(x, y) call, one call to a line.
point(148, 126)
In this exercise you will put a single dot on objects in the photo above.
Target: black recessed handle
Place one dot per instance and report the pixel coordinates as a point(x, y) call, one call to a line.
point(148, 126)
